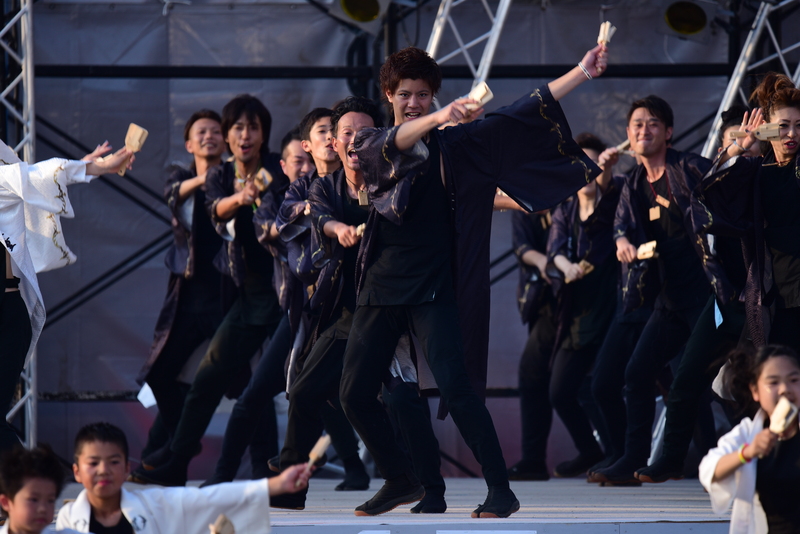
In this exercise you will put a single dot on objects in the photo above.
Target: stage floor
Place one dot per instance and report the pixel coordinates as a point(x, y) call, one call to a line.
point(558, 506)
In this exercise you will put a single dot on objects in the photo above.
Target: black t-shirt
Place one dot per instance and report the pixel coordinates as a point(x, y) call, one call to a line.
point(780, 196)
point(256, 257)
point(683, 281)
point(777, 480)
point(411, 261)
point(354, 215)
point(123, 527)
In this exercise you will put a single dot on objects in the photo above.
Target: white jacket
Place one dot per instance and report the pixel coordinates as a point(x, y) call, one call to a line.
point(748, 516)
point(182, 510)
point(33, 198)
point(49, 529)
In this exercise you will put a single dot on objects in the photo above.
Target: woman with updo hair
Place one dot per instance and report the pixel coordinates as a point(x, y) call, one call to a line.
point(758, 199)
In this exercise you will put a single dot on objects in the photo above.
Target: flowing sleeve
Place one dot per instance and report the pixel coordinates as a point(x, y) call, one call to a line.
point(323, 210)
point(292, 219)
point(181, 211)
point(624, 217)
point(388, 172)
point(723, 492)
point(559, 233)
point(216, 191)
point(724, 198)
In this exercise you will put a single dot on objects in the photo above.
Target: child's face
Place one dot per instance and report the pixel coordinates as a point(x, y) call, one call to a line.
point(32, 508)
point(102, 469)
point(779, 376)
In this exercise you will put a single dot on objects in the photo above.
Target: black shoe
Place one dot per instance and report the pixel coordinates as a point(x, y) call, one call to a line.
point(355, 479)
point(618, 474)
point(289, 501)
point(164, 455)
point(404, 489)
point(659, 472)
point(500, 502)
point(608, 461)
point(214, 480)
point(432, 503)
point(526, 471)
point(173, 473)
point(576, 467)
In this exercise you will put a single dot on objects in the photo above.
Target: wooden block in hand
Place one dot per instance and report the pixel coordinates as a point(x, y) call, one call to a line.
point(782, 416)
point(646, 251)
point(766, 132)
point(586, 267)
point(222, 525)
point(482, 94)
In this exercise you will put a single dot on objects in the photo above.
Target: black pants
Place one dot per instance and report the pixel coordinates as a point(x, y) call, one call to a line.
point(413, 417)
point(704, 355)
point(15, 336)
point(665, 333)
point(534, 398)
point(608, 380)
point(233, 344)
point(255, 407)
point(372, 343)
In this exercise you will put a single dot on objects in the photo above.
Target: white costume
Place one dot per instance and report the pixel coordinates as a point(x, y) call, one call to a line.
point(49, 529)
point(33, 198)
point(182, 510)
point(748, 516)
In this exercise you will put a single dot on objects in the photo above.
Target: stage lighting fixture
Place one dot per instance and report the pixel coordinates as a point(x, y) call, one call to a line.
point(688, 19)
point(365, 14)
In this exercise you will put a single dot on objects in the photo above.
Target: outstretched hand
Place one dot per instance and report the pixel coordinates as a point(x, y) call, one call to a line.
point(292, 480)
point(98, 152)
point(111, 164)
point(457, 111)
point(750, 122)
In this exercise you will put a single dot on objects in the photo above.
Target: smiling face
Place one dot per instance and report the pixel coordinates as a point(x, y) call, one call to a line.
point(647, 133)
point(245, 139)
point(101, 468)
point(779, 376)
point(205, 139)
point(789, 121)
point(295, 161)
point(411, 100)
point(349, 125)
point(320, 144)
point(32, 508)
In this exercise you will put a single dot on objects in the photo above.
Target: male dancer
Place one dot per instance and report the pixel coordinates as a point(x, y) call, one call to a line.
point(231, 193)
point(423, 212)
point(193, 308)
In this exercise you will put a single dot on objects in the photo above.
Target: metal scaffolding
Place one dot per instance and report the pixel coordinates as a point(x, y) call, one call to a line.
point(444, 18)
point(752, 57)
point(19, 132)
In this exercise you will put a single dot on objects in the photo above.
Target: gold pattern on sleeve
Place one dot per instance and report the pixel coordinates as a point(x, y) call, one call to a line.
point(64, 252)
point(574, 160)
point(62, 195)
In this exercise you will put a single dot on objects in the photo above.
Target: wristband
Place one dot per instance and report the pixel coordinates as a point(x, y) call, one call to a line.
point(586, 72)
point(741, 454)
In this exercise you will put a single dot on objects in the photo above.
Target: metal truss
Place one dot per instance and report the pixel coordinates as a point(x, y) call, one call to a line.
point(16, 40)
point(750, 60)
point(445, 18)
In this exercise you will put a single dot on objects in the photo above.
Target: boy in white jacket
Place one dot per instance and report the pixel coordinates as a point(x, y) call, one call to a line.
point(30, 481)
point(730, 472)
point(104, 506)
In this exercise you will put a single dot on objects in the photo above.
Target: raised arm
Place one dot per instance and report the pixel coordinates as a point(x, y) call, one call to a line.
point(412, 131)
point(594, 62)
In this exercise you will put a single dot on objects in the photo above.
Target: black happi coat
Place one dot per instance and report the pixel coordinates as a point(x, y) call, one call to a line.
point(684, 171)
point(730, 204)
point(529, 231)
point(594, 243)
point(526, 149)
point(187, 217)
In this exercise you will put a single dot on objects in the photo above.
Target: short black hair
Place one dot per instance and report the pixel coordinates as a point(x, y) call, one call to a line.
point(251, 107)
point(355, 104)
point(311, 118)
point(103, 433)
point(590, 141)
point(731, 117)
point(21, 464)
point(291, 135)
point(658, 107)
point(196, 116)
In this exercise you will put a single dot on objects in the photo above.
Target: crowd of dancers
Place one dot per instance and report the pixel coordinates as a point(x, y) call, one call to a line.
point(361, 254)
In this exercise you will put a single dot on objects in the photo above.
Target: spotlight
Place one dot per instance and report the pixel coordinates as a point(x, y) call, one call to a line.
point(365, 14)
point(688, 19)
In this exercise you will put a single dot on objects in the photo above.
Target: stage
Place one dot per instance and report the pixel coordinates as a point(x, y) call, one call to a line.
point(558, 506)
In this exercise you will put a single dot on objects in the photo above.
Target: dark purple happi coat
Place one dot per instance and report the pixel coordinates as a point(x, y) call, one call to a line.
point(526, 149)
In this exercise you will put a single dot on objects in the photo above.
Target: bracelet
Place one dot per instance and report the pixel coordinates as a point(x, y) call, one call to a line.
point(741, 454)
point(586, 72)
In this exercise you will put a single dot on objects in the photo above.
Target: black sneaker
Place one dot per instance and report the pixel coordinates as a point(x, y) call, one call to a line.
point(526, 471)
point(659, 472)
point(173, 473)
point(500, 503)
point(404, 489)
point(578, 466)
point(608, 461)
point(432, 503)
point(289, 501)
point(355, 479)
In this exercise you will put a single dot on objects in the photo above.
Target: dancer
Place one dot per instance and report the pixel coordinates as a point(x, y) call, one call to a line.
point(751, 459)
point(193, 307)
point(231, 193)
point(405, 271)
point(33, 198)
